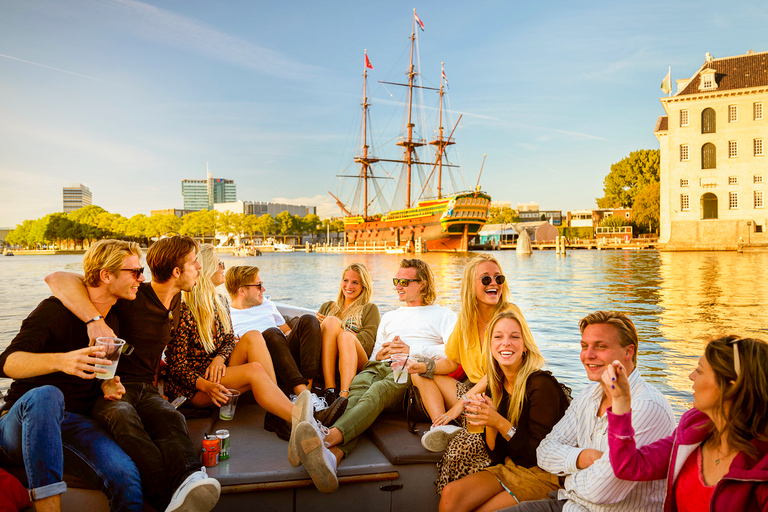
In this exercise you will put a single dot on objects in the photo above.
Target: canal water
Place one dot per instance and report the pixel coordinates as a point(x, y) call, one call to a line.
point(677, 300)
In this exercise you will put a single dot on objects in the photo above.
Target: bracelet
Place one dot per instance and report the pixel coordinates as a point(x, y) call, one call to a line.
point(95, 319)
point(429, 373)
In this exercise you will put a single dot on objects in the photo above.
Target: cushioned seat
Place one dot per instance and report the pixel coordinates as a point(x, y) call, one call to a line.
point(390, 435)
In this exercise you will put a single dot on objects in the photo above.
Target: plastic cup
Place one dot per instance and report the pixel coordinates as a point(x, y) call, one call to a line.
point(399, 364)
point(112, 347)
point(227, 411)
point(472, 429)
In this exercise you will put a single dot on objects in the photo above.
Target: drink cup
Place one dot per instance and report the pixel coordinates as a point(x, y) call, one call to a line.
point(399, 366)
point(227, 411)
point(112, 347)
point(472, 429)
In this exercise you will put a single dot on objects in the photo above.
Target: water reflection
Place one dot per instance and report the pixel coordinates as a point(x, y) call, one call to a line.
point(677, 300)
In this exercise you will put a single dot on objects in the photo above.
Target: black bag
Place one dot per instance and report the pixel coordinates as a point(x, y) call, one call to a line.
point(415, 412)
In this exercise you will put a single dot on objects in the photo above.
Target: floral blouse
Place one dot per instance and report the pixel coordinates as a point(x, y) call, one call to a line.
point(186, 357)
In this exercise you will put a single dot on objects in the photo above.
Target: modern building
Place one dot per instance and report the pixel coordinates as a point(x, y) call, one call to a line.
point(76, 195)
point(529, 212)
point(500, 234)
point(713, 172)
point(171, 211)
point(260, 208)
point(203, 194)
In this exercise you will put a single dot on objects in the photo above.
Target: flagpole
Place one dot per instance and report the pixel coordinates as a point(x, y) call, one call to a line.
point(669, 94)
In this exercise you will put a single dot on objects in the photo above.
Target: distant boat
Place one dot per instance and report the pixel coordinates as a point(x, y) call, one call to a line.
point(270, 245)
point(246, 250)
point(9, 253)
point(444, 221)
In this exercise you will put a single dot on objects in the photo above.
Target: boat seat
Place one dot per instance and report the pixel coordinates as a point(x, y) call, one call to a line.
point(390, 435)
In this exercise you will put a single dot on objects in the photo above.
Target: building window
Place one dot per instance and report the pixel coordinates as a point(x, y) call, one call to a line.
point(709, 206)
point(733, 180)
point(683, 152)
point(757, 111)
point(757, 178)
point(708, 156)
point(708, 80)
point(733, 200)
point(683, 182)
point(733, 113)
point(708, 118)
point(685, 202)
point(758, 147)
point(758, 198)
point(683, 118)
point(733, 149)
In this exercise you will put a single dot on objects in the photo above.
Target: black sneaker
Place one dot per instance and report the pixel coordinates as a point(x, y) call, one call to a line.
point(334, 411)
point(277, 425)
point(330, 395)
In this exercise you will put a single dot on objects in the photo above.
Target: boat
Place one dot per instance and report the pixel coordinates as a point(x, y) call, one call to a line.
point(444, 221)
point(245, 251)
point(272, 245)
point(8, 253)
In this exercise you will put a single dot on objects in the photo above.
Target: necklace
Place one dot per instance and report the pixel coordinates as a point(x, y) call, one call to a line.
point(720, 456)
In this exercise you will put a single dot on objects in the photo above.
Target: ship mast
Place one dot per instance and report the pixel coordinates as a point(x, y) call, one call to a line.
point(439, 141)
point(364, 160)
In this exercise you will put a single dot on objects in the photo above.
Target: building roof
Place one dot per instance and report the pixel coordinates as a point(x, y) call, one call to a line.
point(738, 72)
point(662, 124)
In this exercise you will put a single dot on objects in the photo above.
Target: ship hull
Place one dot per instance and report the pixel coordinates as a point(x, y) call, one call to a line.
point(447, 224)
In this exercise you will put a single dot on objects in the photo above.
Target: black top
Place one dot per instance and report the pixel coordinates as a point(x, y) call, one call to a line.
point(544, 404)
point(53, 328)
point(146, 324)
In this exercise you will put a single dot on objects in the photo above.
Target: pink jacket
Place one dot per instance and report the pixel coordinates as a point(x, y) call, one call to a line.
point(745, 487)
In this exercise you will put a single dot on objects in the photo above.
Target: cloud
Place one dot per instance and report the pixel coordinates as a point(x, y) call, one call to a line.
point(326, 205)
point(51, 67)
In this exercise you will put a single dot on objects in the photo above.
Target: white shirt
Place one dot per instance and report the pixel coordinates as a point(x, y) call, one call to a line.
point(425, 329)
point(256, 318)
point(596, 488)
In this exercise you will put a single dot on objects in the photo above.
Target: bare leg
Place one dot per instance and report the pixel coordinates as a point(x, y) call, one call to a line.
point(470, 492)
point(330, 329)
point(334, 437)
point(253, 349)
point(49, 504)
point(436, 393)
point(349, 359)
point(501, 500)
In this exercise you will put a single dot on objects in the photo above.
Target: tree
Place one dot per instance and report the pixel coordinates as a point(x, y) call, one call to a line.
point(502, 215)
point(265, 225)
point(614, 221)
point(286, 224)
point(311, 225)
point(628, 177)
point(647, 207)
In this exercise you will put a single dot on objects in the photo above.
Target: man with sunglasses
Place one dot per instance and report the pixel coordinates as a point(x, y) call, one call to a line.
point(145, 425)
point(418, 329)
point(45, 424)
point(294, 350)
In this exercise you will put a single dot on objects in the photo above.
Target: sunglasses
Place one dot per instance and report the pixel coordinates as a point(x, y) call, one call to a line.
point(221, 265)
point(736, 360)
point(137, 272)
point(260, 286)
point(486, 280)
point(403, 282)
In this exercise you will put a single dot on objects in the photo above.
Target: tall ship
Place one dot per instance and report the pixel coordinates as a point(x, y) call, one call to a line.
point(443, 218)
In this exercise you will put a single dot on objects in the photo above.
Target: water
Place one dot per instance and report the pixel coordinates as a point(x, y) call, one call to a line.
point(677, 300)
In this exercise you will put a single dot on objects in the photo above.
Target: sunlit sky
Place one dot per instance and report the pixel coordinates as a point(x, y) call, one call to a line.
point(131, 97)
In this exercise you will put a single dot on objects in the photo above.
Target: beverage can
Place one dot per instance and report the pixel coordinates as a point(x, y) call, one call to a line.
point(223, 436)
point(210, 450)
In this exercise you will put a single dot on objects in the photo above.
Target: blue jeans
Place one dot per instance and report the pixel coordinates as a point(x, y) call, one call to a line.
point(154, 434)
point(40, 435)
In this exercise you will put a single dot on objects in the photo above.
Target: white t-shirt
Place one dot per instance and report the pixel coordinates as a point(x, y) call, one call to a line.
point(256, 318)
point(425, 329)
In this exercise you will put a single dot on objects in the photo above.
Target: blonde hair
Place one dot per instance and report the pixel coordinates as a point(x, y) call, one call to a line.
point(204, 303)
point(466, 325)
point(355, 310)
point(238, 276)
point(532, 361)
point(625, 329)
point(107, 255)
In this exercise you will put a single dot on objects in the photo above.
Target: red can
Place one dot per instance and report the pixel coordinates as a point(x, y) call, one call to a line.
point(210, 450)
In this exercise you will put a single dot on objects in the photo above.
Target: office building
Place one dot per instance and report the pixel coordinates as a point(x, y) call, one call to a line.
point(259, 208)
point(203, 194)
point(76, 195)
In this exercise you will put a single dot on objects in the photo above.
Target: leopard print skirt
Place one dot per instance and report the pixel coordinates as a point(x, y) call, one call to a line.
point(466, 453)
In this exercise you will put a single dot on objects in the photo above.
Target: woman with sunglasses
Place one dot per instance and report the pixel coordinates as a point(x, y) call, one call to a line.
point(348, 329)
point(205, 358)
point(717, 458)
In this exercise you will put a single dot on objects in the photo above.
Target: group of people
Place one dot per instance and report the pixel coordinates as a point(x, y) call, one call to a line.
point(324, 379)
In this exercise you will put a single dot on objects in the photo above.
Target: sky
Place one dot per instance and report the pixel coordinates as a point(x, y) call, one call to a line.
point(131, 97)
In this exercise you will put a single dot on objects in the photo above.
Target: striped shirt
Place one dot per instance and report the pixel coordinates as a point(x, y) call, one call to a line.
point(596, 488)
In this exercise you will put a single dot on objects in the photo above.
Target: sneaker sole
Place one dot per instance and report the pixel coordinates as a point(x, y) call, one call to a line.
point(302, 411)
point(437, 440)
point(201, 497)
point(310, 448)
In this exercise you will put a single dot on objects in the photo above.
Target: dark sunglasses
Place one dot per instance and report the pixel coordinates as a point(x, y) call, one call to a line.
point(736, 361)
point(486, 280)
point(137, 272)
point(260, 286)
point(403, 282)
point(221, 265)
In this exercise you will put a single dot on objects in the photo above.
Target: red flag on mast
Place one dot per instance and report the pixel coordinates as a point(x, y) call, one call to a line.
point(367, 62)
point(418, 20)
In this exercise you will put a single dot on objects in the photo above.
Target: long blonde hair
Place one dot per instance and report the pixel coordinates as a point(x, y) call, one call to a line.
point(205, 304)
point(466, 325)
point(532, 362)
point(355, 310)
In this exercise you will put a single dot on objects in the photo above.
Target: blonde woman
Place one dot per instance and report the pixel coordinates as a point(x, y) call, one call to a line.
point(484, 294)
point(204, 357)
point(521, 405)
point(348, 329)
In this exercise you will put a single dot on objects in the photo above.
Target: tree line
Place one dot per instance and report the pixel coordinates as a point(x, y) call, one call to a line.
point(93, 223)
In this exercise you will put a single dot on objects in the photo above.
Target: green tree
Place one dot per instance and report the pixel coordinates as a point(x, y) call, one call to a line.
point(266, 225)
point(311, 224)
point(198, 223)
point(647, 207)
point(136, 226)
point(614, 221)
point(20, 234)
point(502, 215)
point(286, 224)
point(628, 177)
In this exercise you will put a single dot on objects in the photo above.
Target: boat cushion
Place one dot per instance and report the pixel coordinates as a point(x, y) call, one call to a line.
point(390, 435)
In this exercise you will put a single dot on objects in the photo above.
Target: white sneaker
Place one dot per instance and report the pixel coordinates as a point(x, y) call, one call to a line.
point(438, 437)
point(319, 403)
point(197, 493)
point(302, 411)
point(317, 459)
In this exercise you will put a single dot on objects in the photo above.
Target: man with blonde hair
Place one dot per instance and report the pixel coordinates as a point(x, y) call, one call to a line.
point(45, 424)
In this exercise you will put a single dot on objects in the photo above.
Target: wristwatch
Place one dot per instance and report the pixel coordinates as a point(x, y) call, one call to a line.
point(95, 319)
point(511, 432)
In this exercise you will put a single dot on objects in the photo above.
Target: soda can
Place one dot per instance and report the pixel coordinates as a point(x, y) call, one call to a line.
point(223, 436)
point(210, 450)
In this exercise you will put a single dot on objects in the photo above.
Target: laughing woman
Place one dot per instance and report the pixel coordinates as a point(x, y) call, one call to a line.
point(205, 358)
point(348, 328)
